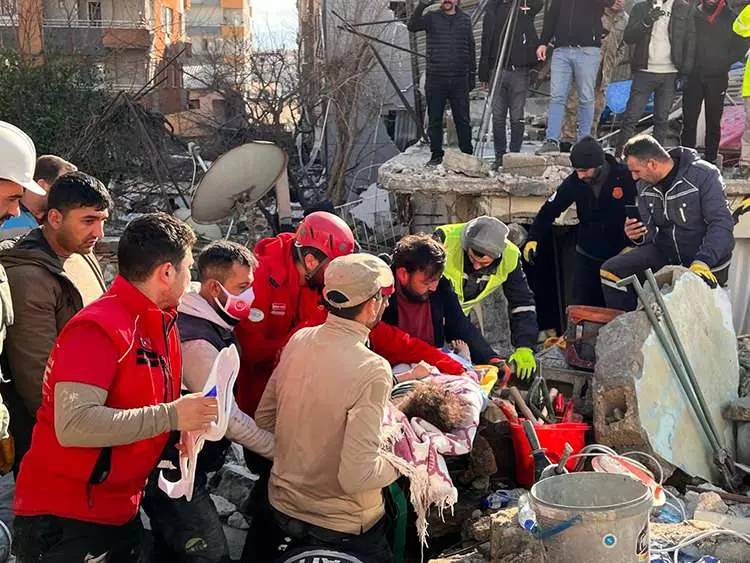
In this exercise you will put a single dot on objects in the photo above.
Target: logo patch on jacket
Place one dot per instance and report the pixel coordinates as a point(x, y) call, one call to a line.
point(278, 309)
point(617, 192)
point(144, 356)
point(256, 315)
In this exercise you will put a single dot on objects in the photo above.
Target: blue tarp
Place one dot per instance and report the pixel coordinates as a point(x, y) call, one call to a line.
point(618, 94)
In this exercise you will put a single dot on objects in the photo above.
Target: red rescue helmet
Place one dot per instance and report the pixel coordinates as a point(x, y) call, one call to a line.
point(325, 232)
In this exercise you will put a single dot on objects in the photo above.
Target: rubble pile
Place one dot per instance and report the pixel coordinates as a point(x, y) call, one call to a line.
point(230, 489)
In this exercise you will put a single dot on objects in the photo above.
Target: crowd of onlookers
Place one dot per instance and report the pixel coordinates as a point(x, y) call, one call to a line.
point(686, 45)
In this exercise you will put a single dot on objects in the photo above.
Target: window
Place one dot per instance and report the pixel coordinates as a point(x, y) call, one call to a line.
point(204, 45)
point(194, 104)
point(167, 20)
point(95, 13)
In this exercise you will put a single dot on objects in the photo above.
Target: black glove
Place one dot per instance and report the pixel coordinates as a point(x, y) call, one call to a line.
point(653, 15)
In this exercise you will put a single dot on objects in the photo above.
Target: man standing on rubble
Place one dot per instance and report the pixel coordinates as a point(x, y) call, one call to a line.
point(717, 48)
point(425, 305)
point(574, 27)
point(662, 33)
point(288, 292)
point(684, 219)
point(59, 258)
point(511, 90)
point(600, 187)
point(451, 70)
point(480, 260)
point(614, 21)
point(328, 493)
point(191, 530)
point(34, 207)
point(104, 422)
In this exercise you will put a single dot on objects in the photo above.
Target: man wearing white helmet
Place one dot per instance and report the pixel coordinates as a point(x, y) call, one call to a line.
point(17, 161)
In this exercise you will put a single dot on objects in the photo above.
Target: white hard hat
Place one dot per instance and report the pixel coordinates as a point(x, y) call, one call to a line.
point(18, 158)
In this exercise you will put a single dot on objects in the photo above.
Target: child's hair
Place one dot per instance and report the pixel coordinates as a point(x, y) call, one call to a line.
point(434, 402)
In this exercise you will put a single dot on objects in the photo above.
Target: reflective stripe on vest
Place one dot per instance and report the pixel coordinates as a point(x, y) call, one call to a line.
point(454, 265)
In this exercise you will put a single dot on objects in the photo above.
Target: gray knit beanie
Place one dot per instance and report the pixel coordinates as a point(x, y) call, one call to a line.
point(486, 235)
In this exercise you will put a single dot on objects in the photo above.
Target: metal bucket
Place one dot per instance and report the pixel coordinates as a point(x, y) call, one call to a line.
point(598, 517)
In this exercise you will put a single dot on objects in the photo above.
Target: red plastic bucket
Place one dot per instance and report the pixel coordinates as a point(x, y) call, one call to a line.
point(552, 438)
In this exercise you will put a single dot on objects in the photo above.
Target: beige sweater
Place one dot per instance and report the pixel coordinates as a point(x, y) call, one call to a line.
point(325, 404)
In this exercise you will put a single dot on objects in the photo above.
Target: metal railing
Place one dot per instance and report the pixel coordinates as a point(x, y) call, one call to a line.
point(381, 232)
point(93, 24)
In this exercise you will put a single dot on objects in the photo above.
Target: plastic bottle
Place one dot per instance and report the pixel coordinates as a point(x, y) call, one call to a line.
point(496, 500)
point(526, 516)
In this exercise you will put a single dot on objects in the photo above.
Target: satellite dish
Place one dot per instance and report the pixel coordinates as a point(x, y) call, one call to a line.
point(243, 175)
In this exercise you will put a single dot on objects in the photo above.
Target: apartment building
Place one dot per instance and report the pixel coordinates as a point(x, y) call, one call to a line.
point(129, 40)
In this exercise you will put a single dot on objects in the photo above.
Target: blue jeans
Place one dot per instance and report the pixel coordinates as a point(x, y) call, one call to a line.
point(569, 64)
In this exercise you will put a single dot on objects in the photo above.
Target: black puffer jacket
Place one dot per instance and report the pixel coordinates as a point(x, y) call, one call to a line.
point(718, 47)
point(525, 39)
point(451, 51)
point(574, 23)
point(681, 35)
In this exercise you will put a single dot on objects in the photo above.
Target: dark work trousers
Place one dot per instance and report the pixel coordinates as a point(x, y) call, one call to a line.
point(709, 91)
point(587, 285)
point(442, 89)
point(626, 264)
point(50, 539)
point(260, 544)
point(370, 547)
point(510, 95)
point(185, 531)
point(662, 85)
point(635, 262)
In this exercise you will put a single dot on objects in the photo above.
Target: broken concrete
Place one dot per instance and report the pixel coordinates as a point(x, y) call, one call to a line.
point(508, 539)
point(738, 410)
point(711, 502)
point(466, 164)
point(223, 507)
point(524, 164)
point(634, 379)
point(234, 483)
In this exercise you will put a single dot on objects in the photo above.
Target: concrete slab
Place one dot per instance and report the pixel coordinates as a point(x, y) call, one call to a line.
point(638, 400)
point(466, 164)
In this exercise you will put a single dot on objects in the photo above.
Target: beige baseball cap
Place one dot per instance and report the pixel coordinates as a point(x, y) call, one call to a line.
point(18, 158)
point(351, 280)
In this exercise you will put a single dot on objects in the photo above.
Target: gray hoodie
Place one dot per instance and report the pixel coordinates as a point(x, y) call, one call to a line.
point(197, 358)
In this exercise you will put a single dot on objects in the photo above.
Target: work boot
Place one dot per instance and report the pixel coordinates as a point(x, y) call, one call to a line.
point(498, 161)
point(550, 145)
point(435, 160)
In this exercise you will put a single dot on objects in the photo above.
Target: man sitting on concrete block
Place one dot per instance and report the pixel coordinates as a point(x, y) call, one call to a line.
point(600, 187)
point(480, 260)
point(684, 219)
point(451, 70)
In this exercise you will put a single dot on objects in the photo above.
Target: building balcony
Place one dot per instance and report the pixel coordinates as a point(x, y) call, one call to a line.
point(107, 34)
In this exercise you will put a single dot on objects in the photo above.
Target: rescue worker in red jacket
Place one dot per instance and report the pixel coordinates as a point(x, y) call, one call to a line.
point(288, 296)
point(288, 285)
point(110, 398)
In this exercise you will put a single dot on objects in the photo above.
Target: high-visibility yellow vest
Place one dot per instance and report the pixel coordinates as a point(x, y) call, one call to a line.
point(454, 265)
point(741, 27)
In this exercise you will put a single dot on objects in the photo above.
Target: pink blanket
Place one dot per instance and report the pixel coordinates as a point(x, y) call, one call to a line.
point(416, 448)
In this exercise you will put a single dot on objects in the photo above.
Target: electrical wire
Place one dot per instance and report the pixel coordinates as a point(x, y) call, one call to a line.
point(695, 538)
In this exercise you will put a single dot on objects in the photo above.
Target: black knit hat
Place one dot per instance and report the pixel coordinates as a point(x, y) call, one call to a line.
point(587, 153)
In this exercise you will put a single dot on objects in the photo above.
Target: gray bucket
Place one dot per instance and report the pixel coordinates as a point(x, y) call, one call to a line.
point(607, 515)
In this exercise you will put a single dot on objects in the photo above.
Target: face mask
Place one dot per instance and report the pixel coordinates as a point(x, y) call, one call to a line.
point(237, 307)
